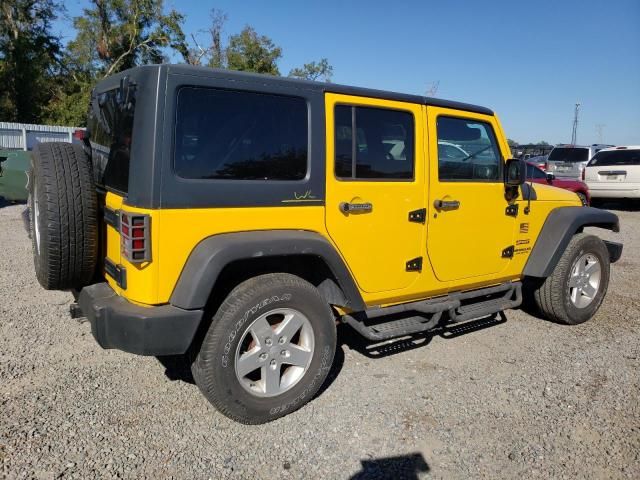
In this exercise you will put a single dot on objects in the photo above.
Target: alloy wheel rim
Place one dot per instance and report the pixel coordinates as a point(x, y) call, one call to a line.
point(275, 352)
point(584, 281)
point(36, 217)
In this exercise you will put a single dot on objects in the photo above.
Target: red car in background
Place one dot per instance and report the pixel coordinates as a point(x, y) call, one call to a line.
point(537, 175)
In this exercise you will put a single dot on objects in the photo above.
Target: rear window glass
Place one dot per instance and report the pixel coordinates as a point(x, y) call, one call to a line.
point(382, 147)
point(616, 157)
point(223, 134)
point(569, 155)
point(110, 127)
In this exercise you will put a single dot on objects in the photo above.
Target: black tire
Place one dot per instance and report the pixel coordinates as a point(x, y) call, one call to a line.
point(583, 199)
point(66, 250)
point(553, 297)
point(213, 366)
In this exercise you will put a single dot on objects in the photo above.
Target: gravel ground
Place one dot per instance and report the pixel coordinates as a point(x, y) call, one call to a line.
point(521, 398)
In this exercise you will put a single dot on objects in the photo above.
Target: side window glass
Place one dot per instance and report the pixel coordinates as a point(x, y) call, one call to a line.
point(467, 151)
point(382, 147)
point(534, 172)
point(233, 135)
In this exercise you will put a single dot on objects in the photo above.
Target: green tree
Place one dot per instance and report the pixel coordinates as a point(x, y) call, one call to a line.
point(113, 35)
point(251, 52)
point(512, 143)
point(29, 56)
point(321, 70)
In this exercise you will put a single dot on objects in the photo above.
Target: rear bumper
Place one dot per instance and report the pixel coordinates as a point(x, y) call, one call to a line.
point(117, 323)
point(598, 190)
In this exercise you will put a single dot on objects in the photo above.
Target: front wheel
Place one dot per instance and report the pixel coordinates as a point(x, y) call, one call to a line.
point(268, 349)
point(574, 291)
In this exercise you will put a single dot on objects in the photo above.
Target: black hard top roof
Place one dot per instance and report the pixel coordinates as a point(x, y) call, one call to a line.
point(298, 84)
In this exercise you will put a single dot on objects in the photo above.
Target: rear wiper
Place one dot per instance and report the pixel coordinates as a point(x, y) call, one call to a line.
point(476, 153)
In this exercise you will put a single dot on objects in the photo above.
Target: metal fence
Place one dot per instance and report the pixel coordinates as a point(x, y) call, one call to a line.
point(24, 136)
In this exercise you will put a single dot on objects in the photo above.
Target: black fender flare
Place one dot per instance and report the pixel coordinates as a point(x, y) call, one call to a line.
point(213, 254)
point(562, 224)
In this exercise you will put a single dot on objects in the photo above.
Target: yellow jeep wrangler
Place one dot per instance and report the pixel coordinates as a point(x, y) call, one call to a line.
point(236, 218)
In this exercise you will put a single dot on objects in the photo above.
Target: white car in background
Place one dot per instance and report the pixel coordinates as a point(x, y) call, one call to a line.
point(614, 173)
point(569, 160)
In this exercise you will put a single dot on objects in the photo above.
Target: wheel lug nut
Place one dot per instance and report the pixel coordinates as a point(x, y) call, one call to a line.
point(281, 340)
point(273, 363)
point(284, 353)
point(268, 342)
point(263, 356)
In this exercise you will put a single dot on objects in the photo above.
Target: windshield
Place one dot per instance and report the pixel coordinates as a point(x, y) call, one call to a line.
point(616, 157)
point(569, 154)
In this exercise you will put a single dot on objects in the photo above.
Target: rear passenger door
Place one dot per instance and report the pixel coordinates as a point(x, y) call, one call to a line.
point(375, 178)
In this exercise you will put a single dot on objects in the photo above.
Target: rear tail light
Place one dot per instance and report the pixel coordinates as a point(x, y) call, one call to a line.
point(79, 134)
point(135, 238)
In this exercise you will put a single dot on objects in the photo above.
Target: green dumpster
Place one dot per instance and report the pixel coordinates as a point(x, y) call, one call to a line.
point(14, 165)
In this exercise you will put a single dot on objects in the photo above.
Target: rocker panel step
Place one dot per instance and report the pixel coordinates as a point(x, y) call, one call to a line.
point(394, 328)
point(432, 310)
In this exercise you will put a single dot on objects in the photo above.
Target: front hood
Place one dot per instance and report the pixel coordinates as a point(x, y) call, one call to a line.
point(547, 193)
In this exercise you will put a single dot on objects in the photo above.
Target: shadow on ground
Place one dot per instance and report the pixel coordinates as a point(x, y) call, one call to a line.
point(621, 205)
point(405, 467)
point(7, 203)
point(177, 367)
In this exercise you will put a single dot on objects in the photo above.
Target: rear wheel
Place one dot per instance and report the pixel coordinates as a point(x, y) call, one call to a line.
point(574, 291)
point(63, 216)
point(268, 349)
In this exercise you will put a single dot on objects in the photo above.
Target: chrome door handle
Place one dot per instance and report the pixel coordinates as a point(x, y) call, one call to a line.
point(346, 207)
point(446, 204)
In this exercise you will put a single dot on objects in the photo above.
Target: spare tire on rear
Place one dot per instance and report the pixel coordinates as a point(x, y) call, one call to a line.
point(63, 211)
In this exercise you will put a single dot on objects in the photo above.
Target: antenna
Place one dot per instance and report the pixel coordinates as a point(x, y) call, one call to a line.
point(433, 89)
point(600, 132)
point(574, 132)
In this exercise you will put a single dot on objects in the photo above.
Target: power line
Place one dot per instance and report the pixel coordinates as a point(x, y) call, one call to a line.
point(600, 132)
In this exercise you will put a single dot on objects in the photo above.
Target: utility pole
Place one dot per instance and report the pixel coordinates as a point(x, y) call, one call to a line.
point(433, 89)
point(600, 132)
point(574, 132)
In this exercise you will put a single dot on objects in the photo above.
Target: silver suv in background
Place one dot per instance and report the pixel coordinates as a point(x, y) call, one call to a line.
point(569, 160)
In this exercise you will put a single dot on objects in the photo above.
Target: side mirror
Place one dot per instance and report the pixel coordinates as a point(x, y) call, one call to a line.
point(515, 172)
point(550, 177)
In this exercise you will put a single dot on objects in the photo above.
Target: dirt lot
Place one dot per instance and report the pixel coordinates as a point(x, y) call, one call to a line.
point(520, 398)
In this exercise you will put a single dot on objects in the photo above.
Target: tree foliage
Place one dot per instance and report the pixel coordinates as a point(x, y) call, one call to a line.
point(40, 81)
point(114, 35)
point(314, 71)
point(251, 52)
point(29, 58)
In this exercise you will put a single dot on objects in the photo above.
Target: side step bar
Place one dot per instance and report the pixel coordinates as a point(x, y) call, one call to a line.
point(460, 306)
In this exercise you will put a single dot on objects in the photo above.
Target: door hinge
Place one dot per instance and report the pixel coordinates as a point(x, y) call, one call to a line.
point(512, 210)
point(418, 216)
point(414, 265)
point(508, 252)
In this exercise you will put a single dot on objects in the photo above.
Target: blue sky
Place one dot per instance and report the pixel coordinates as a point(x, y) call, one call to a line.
point(529, 61)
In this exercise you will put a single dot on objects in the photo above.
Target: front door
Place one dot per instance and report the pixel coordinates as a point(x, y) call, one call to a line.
point(375, 178)
point(468, 227)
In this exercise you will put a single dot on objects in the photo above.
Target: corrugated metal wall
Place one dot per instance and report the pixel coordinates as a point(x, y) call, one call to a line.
point(23, 136)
